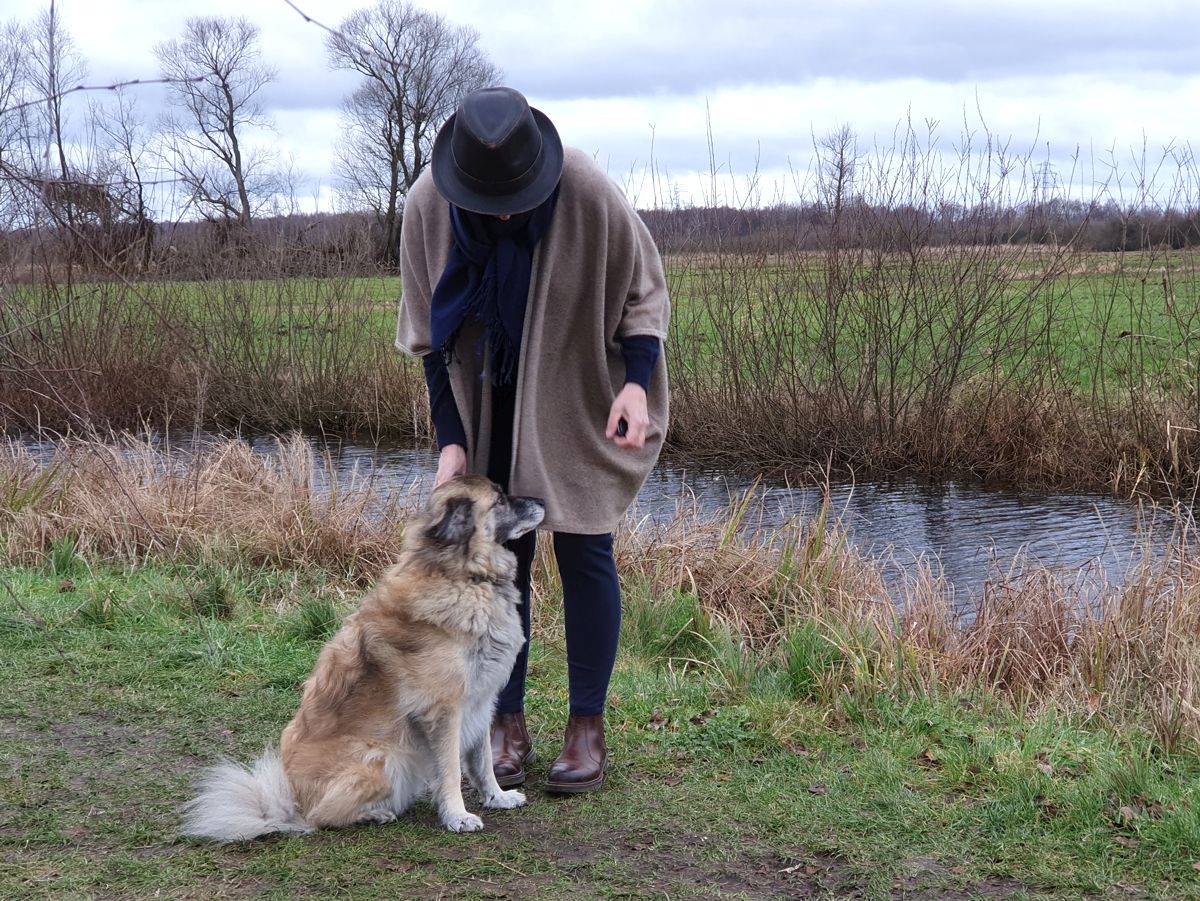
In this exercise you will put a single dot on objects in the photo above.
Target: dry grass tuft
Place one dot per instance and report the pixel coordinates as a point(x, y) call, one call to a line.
point(130, 501)
point(759, 580)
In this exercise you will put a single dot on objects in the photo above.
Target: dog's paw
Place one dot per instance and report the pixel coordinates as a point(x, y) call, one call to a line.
point(463, 822)
point(505, 800)
point(379, 816)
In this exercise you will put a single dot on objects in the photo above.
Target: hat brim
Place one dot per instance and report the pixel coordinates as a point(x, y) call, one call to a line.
point(449, 183)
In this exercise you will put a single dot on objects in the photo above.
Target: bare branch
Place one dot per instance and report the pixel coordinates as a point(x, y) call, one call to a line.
point(310, 20)
point(115, 86)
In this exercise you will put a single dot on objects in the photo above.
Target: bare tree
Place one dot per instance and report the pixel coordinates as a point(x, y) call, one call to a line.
point(13, 40)
point(124, 163)
point(13, 120)
point(289, 179)
point(416, 68)
point(54, 168)
point(217, 74)
point(52, 66)
point(837, 157)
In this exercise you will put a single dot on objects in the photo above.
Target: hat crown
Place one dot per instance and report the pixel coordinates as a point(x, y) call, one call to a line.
point(497, 155)
point(496, 139)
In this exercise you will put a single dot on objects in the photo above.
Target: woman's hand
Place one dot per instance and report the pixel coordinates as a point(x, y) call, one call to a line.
point(452, 463)
point(629, 405)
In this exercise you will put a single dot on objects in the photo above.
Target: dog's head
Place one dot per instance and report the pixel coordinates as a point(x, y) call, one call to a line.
point(471, 515)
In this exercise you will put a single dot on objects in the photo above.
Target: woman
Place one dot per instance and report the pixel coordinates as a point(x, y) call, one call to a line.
point(536, 298)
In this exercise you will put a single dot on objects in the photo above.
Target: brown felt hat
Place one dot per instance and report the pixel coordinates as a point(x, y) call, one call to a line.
point(497, 155)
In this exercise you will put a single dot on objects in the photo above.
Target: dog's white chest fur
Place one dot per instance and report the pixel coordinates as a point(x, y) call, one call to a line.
point(489, 665)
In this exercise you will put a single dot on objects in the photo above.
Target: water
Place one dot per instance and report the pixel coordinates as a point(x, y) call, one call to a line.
point(967, 533)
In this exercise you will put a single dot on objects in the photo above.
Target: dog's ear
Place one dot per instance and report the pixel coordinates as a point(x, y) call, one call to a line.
point(457, 525)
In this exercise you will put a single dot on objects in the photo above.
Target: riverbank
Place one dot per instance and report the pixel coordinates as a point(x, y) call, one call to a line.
point(742, 606)
point(1034, 366)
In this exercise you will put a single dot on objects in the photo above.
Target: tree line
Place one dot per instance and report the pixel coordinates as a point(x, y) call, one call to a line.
point(814, 226)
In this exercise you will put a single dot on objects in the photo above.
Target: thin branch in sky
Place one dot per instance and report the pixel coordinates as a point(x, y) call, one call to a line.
point(309, 19)
point(337, 34)
point(116, 86)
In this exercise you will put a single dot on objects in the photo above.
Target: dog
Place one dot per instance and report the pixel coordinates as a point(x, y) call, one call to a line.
point(400, 702)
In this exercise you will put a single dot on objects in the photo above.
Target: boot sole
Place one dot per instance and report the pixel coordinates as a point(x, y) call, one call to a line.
point(519, 777)
point(576, 788)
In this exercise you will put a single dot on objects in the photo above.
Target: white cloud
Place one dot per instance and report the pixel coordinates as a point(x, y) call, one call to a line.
point(772, 130)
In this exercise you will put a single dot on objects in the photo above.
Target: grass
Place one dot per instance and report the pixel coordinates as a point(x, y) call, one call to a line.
point(1096, 296)
point(714, 790)
point(779, 725)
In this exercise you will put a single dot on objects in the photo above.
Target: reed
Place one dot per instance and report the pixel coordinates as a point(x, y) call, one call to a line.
point(223, 503)
point(795, 612)
point(238, 350)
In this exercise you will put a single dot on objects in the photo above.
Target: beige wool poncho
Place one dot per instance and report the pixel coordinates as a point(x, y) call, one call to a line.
point(596, 277)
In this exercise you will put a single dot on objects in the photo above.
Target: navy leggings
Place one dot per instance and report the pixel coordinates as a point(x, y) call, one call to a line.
point(592, 610)
point(591, 593)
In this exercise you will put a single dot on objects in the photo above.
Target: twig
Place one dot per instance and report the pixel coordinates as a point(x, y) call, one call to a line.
point(339, 36)
point(9, 176)
point(116, 86)
point(494, 860)
point(310, 20)
point(41, 622)
point(31, 324)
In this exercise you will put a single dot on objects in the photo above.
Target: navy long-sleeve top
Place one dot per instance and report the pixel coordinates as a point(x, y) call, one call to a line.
point(641, 354)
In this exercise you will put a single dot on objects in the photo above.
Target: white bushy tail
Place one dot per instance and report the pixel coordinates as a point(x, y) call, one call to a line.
point(236, 803)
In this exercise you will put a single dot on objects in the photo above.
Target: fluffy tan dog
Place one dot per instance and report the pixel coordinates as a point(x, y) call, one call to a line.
point(401, 699)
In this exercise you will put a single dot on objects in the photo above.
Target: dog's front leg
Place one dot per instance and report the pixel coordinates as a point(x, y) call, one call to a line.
point(483, 778)
point(444, 732)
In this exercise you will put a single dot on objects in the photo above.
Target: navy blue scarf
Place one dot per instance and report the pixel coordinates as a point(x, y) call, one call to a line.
point(487, 279)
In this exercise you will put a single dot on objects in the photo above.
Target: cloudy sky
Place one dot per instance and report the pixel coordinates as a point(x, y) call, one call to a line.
point(633, 82)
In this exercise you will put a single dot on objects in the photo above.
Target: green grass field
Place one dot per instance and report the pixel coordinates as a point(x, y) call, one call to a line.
point(1103, 319)
point(120, 683)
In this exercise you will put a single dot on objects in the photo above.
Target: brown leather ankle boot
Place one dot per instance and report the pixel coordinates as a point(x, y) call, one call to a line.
point(511, 748)
point(584, 758)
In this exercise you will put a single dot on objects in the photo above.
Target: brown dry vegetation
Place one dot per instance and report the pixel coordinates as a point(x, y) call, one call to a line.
point(273, 354)
point(799, 599)
point(1021, 365)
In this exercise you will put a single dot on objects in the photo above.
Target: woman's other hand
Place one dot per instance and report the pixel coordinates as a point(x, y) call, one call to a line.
point(452, 463)
point(629, 405)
